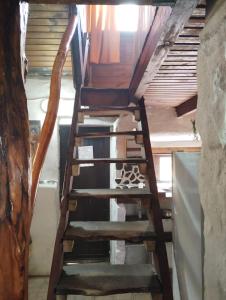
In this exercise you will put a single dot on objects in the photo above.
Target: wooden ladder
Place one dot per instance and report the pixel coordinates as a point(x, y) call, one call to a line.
point(68, 277)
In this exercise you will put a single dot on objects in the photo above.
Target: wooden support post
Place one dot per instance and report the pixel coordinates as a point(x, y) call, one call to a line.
point(15, 208)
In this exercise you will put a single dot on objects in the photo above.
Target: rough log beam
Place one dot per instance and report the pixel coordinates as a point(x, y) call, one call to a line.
point(15, 208)
point(166, 27)
point(186, 107)
point(106, 2)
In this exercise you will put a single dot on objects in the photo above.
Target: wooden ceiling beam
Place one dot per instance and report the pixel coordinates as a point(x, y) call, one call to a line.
point(163, 34)
point(187, 107)
point(106, 2)
point(170, 150)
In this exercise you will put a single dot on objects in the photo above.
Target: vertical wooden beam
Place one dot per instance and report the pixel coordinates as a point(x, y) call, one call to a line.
point(15, 207)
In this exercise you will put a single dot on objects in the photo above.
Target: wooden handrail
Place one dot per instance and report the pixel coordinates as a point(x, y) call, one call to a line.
point(54, 97)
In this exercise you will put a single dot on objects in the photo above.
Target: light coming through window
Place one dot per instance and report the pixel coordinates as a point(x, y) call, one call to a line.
point(127, 17)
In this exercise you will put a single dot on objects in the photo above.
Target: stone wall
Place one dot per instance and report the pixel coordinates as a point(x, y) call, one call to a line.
point(212, 127)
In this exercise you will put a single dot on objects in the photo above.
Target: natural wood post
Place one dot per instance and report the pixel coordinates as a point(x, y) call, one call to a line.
point(15, 209)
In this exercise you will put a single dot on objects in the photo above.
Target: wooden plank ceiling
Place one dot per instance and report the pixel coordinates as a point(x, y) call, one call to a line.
point(46, 25)
point(173, 84)
point(176, 80)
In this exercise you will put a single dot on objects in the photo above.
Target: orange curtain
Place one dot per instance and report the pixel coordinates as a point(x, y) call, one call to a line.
point(105, 38)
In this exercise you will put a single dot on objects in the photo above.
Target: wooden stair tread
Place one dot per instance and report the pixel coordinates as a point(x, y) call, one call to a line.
point(106, 279)
point(108, 108)
point(71, 258)
point(165, 214)
point(110, 160)
point(104, 89)
point(110, 193)
point(111, 133)
point(109, 111)
point(102, 230)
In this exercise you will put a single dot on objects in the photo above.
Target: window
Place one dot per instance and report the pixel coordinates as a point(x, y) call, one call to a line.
point(163, 170)
point(127, 17)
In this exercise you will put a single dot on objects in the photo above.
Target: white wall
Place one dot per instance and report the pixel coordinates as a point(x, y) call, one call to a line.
point(37, 91)
point(169, 131)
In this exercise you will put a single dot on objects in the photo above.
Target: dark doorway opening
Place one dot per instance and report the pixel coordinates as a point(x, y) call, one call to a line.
point(97, 176)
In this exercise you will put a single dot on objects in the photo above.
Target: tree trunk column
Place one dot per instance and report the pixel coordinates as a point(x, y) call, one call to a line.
point(15, 208)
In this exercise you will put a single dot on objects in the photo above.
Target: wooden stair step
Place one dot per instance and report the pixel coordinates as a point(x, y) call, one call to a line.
point(110, 160)
point(109, 193)
point(101, 230)
point(110, 111)
point(71, 258)
point(111, 133)
point(93, 109)
point(165, 214)
point(106, 279)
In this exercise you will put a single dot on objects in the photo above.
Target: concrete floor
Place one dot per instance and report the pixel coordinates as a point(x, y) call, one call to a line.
point(37, 288)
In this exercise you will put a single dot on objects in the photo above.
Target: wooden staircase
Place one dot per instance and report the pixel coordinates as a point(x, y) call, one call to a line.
point(68, 276)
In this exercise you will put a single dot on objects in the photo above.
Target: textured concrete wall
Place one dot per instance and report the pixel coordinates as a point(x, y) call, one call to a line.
point(212, 127)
